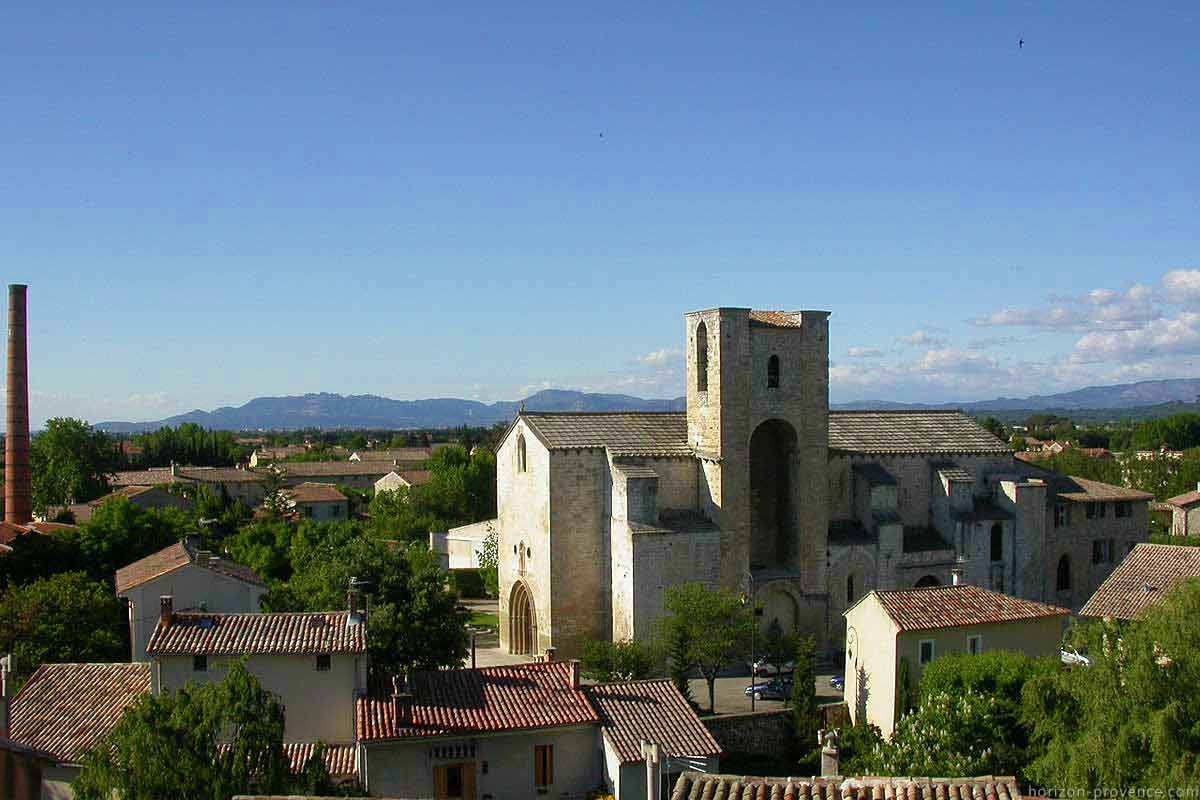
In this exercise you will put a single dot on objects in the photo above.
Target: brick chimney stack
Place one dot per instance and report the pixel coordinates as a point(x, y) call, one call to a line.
point(18, 486)
point(166, 609)
point(403, 700)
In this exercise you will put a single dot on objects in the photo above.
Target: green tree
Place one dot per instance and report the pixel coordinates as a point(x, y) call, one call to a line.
point(806, 714)
point(996, 428)
point(716, 624)
point(166, 745)
point(414, 620)
point(607, 662)
point(1130, 720)
point(276, 500)
point(69, 461)
point(679, 659)
point(489, 563)
point(64, 617)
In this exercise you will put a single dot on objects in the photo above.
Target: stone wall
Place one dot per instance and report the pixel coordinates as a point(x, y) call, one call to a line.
point(754, 733)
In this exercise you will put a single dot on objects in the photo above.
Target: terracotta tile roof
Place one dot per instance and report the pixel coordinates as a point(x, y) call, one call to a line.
point(696, 785)
point(64, 709)
point(955, 606)
point(313, 469)
point(1145, 576)
point(172, 558)
point(1184, 500)
point(317, 493)
point(5, 549)
point(654, 711)
point(304, 633)
point(141, 477)
point(776, 319)
point(1084, 490)
point(340, 759)
point(399, 454)
point(417, 477)
point(10, 531)
point(219, 475)
point(953, 472)
point(511, 698)
point(910, 432)
point(631, 433)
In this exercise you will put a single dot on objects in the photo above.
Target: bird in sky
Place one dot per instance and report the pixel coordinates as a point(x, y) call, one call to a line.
point(1021, 44)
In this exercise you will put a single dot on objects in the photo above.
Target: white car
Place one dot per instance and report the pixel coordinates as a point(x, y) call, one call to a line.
point(1072, 658)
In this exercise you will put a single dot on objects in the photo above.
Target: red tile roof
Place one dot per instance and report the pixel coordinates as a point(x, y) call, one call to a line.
point(492, 699)
point(1184, 500)
point(64, 709)
point(1141, 581)
point(172, 558)
point(340, 759)
point(955, 606)
point(317, 493)
point(401, 454)
point(10, 531)
point(653, 711)
point(776, 319)
point(304, 633)
point(1089, 491)
point(692, 785)
point(141, 477)
point(418, 477)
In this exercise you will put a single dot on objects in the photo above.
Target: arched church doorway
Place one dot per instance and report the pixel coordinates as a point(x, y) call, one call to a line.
point(772, 521)
point(928, 580)
point(522, 622)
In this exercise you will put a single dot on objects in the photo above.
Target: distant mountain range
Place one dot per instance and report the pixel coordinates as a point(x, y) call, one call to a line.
point(326, 410)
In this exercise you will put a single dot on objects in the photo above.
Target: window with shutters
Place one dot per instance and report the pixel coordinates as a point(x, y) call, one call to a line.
point(543, 765)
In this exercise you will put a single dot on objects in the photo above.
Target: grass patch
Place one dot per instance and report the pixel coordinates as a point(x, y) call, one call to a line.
point(480, 619)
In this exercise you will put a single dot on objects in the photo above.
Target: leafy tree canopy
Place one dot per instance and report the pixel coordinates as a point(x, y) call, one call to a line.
point(606, 662)
point(1131, 719)
point(166, 745)
point(715, 624)
point(62, 618)
point(69, 461)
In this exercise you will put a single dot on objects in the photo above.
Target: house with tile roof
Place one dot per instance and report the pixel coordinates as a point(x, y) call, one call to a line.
point(1142, 580)
point(761, 488)
point(403, 458)
point(315, 662)
point(197, 579)
point(521, 731)
point(886, 628)
point(1185, 513)
point(633, 712)
point(65, 709)
point(321, 502)
point(355, 474)
point(402, 479)
point(244, 485)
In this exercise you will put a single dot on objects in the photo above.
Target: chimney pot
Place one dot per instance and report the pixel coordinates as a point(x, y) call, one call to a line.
point(402, 699)
point(166, 609)
point(956, 576)
point(574, 662)
point(830, 768)
point(550, 653)
point(5, 691)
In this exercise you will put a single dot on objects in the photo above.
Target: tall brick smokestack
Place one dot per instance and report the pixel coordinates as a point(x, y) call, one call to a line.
point(18, 486)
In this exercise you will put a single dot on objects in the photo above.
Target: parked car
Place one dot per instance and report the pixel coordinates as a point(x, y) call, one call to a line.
point(1072, 658)
point(838, 682)
point(774, 689)
point(765, 669)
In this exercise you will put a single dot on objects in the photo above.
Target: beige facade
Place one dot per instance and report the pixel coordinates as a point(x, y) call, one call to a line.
point(461, 547)
point(1185, 520)
point(319, 702)
point(498, 765)
point(194, 588)
point(876, 645)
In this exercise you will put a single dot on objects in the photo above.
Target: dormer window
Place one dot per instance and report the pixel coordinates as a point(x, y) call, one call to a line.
point(702, 357)
point(773, 372)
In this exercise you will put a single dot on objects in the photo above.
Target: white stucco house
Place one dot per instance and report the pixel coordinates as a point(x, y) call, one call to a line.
point(917, 626)
point(196, 579)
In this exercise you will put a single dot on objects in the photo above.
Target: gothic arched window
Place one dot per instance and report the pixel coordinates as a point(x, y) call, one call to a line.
point(997, 542)
point(773, 372)
point(1063, 584)
point(521, 452)
point(702, 357)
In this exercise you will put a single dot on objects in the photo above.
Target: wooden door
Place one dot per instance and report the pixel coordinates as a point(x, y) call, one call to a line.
point(454, 781)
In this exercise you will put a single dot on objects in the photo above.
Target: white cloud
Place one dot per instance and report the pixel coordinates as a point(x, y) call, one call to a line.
point(864, 352)
point(660, 358)
point(1180, 335)
point(921, 338)
point(1182, 285)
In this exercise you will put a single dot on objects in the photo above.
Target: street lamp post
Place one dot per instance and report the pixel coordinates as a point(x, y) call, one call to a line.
point(753, 635)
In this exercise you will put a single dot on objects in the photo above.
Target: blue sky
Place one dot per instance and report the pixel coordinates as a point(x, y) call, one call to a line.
point(214, 202)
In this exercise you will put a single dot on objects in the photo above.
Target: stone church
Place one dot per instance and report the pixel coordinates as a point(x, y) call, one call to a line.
point(760, 488)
